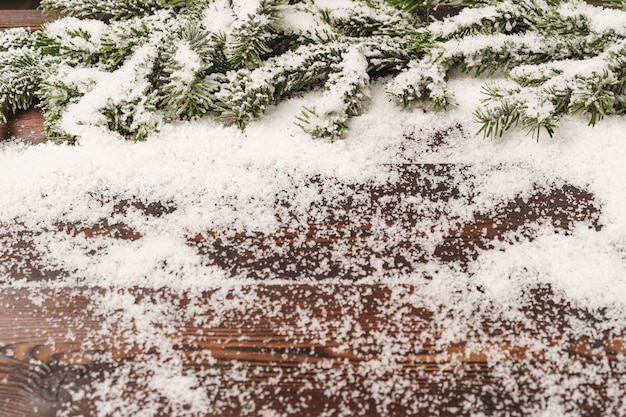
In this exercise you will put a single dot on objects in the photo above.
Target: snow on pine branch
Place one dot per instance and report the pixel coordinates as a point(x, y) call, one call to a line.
point(529, 41)
point(18, 85)
point(538, 95)
point(232, 59)
point(344, 93)
point(223, 59)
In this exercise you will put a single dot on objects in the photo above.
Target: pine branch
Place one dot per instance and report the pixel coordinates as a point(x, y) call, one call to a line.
point(544, 32)
point(570, 19)
point(248, 43)
point(302, 22)
point(57, 91)
point(19, 72)
point(387, 53)
point(184, 84)
point(344, 93)
point(618, 4)
point(245, 94)
point(538, 96)
point(488, 53)
point(506, 106)
point(422, 79)
point(365, 19)
point(71, 40)
point(16, 38)
point(134, 119)
point(122, 38)
point(20, 76)
point(413, 6)
point(158, 60)
point(124, 100)
point(492, 17)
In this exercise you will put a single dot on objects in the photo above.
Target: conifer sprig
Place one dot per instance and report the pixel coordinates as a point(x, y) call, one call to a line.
point(183, 83)
point(122, 38)
point(18, 87)
point(561, 58)
point(344, 94)
point(537, 96)
point(149, 62)
point(413, 6)
point(245, 94)
point(20, 71)
point(618, 4)
point(15, 38)
point(161, 60)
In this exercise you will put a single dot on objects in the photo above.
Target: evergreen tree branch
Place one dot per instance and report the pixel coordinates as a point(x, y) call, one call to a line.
point(359, 21)
point(57, 91)
point(122, 38)
point(489, 18)
point(245, 94)
point(548, 31)
point(422, 79)
point(19, 71)
point(248, 43)
point(618, 4)
point(183, 84)
point(538, 96)
point(342, 99)
point(152, 61)
point(71, 40)
point(16, 38)
point(20, 76)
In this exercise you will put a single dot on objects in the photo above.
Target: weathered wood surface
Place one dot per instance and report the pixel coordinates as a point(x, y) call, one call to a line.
point(49, 354)
point(27, 126)
point(57, 346)
point(32, 19)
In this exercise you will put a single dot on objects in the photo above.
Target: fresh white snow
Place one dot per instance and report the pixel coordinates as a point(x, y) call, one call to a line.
point(218, 179)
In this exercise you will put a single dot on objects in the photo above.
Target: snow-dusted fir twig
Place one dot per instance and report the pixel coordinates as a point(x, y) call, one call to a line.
point(562, 57)
point(18, 85)
point(245, 94)
point(160, 60)
point(538, 95)
point(591, 81)
point(344, 93)
point(155, 61)
point(415, 5)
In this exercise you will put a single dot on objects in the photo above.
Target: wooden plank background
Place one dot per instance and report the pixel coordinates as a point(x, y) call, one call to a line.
point(23, 18)
point(382, 355)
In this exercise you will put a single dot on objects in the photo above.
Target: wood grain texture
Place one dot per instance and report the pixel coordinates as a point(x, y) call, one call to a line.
point(26, 126)
point(32, 19)
point(352, 227)
point(376, 231)
point(310, 350)
point(52, 356)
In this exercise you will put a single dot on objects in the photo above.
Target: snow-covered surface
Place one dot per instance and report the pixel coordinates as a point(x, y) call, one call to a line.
point(219, 180)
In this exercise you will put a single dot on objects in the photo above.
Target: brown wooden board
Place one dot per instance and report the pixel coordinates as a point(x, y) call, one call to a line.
point(57, 350)
point(26, 126)
point(32, 19)
point(305, 349)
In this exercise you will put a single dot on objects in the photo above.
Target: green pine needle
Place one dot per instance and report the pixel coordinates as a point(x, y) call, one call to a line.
point(193, 58)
